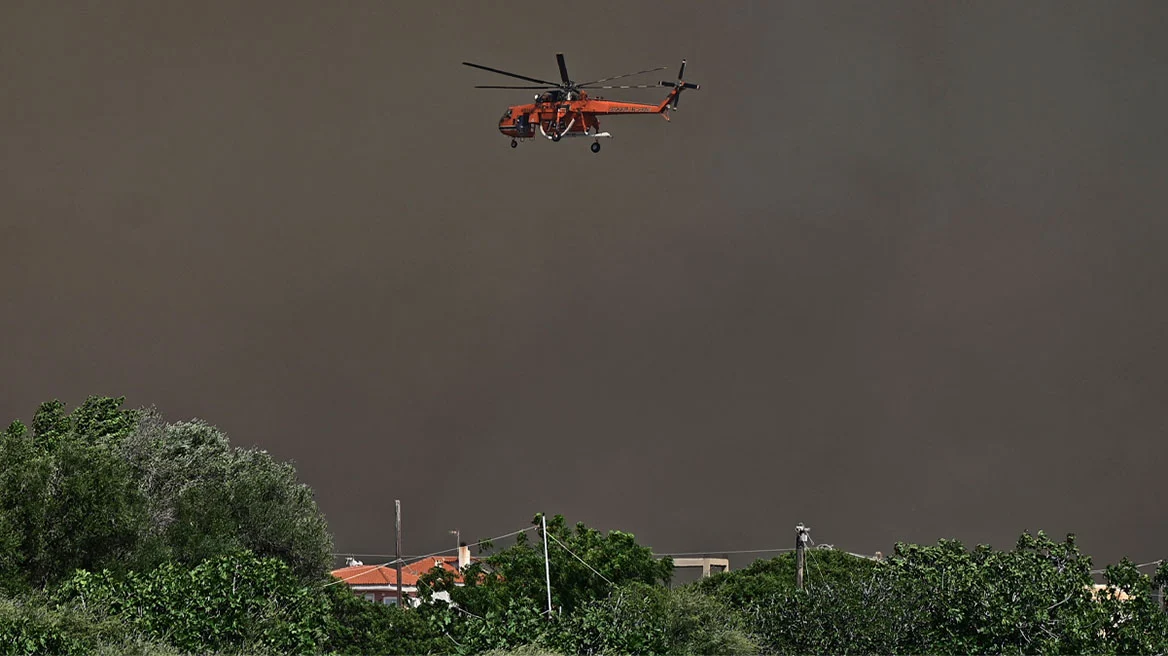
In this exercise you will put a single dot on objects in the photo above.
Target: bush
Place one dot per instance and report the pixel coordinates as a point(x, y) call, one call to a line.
point(358, 626)
point(33, 625)
point(231, 603)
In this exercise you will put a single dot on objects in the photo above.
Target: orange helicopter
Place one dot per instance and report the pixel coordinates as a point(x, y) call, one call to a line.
point(566, 110)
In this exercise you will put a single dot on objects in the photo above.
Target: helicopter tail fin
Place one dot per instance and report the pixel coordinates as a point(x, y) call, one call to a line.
point(674, 96)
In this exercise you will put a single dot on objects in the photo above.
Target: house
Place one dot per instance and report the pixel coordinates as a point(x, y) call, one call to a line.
point(1099, 590)
point(378, 583)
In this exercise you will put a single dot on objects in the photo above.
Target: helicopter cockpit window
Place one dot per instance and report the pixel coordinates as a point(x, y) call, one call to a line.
point(506, 114)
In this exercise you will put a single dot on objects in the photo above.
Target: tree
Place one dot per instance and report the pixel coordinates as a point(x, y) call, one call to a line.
point(638, 618)
point(67, 499)
point(946, 599)
point(207, 498)
point(1161, 581)
point(848, 603)
point(358, 626)
point(823, 567)
point(105, 487)
point(237, 602)
point(24, 497)
point(609, 595)
point(585, 564)
point(1036, 598)
point(1135, 620)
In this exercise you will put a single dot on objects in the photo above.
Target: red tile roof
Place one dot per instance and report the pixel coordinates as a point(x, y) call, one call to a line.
point(387, 574)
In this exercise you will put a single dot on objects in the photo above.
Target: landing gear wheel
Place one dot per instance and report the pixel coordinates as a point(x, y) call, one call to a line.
point(514, 143)
point(595, 146)
point(555, 137)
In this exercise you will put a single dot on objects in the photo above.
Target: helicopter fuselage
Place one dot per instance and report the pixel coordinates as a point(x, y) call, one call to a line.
point(555, 118)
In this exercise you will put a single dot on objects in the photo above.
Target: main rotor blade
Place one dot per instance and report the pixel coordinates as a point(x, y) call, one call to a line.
point(521, 77)
point(492, 86)
point(617, 77)
point(563, 68)
point(625, 86)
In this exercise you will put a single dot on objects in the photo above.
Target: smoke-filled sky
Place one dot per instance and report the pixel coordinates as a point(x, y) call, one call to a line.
point(896, 271)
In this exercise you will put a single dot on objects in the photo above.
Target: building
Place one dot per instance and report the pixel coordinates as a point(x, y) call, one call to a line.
point(1099, 590)
point(378, 583)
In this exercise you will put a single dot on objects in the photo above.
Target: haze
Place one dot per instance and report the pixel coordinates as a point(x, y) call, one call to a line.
point(896, 271)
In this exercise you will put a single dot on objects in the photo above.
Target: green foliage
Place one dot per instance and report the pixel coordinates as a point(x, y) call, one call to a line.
point(836, 617)
point(25, 476)
point(28, 625)
point(358, 626)
point(67, 498)
point(1035, 598)
point(102, 419)
point(1160, 581)
point(645, 619)
point(32, 624)
point(110, 488)
point(1137, 624)
point(16, 430)
point(945, 599)
point(94, 512)
point(823, 568)
point(233, 603)
point(509, 627)
point(50, 424)
point(525, 650)
point(208, 498)
point(154, 537)
point(700, 623)
point(631, 620)
point(622, 607)
point(517, 573)
point(844, 607)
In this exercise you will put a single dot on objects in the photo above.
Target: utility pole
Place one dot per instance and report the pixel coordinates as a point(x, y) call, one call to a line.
point(398, 550)
point(547, 568)
point(802, 533)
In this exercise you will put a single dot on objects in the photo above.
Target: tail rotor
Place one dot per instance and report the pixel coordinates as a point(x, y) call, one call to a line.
point(680, 85)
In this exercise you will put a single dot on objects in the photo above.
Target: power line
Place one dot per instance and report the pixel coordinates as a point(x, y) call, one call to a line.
point(1140, 566)
point(711, 552)
point(579, 559)
point(379, 555)
point(414, 556)
point(718, 553)
point(436, 553)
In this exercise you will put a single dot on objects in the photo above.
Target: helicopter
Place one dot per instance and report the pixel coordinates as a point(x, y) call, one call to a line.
point(565, 109)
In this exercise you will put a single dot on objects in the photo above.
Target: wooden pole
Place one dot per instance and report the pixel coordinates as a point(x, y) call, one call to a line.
point(800, 545)
point(398, 549)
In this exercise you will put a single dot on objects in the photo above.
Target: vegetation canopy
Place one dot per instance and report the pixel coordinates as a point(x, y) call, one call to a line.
point(121, 533)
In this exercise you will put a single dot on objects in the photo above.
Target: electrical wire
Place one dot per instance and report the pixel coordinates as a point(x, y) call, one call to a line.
point(580, 559)
point(1140, 566)
point(711, 553)
point(415, 556)
point(720, 553)
point(374, 568)
point(375, 555)
point(807, 556)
